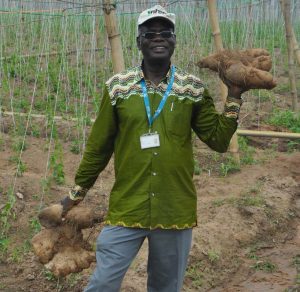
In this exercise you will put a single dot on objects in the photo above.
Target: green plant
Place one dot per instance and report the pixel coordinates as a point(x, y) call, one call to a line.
point(250, 200)
point(194, 272)
point(73, 279)
point(19, 145)
point(1, 142)
point(263, 94)
point(7, 212)
point(35, 225)
point(49, 275)
point(45, 184)
point(4, 244)
point(296, 261)
point(21, 168)
point(246, 152)
point(287, 119)
point(283, 87)
point(56, 164)
point(197, 167)
point(35, 131)
point(264, 266)
point(252, 253)
point(293, 145)
point(218, 202)
point(213, 256)
point(16, 255)
point(229, 166)
point(75, 147)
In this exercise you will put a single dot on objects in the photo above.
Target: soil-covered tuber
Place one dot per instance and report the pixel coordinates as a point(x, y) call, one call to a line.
point(247, 69)
point(61, 246)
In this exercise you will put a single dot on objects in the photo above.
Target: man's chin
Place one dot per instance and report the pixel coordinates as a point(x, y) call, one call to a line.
point(160, 58)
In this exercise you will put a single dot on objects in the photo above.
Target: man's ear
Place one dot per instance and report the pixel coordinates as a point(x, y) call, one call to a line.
point(138, 42)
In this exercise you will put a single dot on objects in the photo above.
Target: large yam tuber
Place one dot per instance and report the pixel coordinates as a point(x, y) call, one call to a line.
point(81, 217)
point(245, 68)
point(250, 77)
point(51, 216)
point(44, 244)
point(61, 246)
point(70, 260)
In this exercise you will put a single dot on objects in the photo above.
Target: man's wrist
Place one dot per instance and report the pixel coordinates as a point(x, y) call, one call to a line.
point(232, 107)
point(77, 193)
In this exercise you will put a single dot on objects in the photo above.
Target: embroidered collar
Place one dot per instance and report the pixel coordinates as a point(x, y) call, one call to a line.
point(140, 74)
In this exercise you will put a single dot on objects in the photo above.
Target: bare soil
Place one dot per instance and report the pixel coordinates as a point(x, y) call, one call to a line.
point(247, 237)
point(248, 232)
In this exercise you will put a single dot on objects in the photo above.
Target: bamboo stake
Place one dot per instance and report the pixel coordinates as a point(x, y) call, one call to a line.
point(97, 25)
point(113, 36)
point(271, 134)
point(296, 47)
point(285, 8)
point(212, 9)
point(241, 132)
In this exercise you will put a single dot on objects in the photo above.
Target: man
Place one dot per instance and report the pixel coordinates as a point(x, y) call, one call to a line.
point(145, 119)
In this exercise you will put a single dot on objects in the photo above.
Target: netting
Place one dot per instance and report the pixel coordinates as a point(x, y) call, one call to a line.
point(55, 56)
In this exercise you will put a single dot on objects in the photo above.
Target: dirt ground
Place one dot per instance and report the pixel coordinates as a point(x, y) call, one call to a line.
point(248, 233)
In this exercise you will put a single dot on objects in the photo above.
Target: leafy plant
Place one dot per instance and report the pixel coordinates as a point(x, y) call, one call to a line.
point(197, 167)
point(56, 164)
point(4, 244)
point(229, 166)
point(7, 213)
point(75, 146)
point(21, 168)
point(287, 119)
point(35, 225)
point(19, 145)
point(213, 256)
point(246, 152)
point(49, 275)
point(195, 273)
point(264, 266)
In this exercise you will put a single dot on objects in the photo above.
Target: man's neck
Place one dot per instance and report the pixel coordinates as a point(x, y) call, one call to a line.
point(155, 72)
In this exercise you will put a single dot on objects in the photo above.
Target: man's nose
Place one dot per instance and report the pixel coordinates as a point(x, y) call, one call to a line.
point(158, 37)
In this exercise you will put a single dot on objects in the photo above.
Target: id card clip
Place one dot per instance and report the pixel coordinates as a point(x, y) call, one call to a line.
point(149, 140)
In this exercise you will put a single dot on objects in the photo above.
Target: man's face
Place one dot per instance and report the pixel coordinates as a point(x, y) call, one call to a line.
point(157, 47)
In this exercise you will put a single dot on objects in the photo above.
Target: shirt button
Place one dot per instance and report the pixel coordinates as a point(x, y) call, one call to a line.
point(152, 194)
point(154, 173)
point(155, 153)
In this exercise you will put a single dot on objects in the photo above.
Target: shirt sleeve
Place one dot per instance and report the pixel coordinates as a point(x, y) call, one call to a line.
point(212, 128)
point(100, 145)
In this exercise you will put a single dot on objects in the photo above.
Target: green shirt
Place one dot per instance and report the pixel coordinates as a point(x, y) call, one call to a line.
point(153, 187)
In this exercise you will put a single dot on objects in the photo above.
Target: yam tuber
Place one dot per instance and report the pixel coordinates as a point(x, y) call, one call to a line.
point(247, 69)
point(61, 246)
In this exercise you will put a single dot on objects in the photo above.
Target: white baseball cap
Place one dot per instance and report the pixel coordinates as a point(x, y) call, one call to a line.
point(156, 11)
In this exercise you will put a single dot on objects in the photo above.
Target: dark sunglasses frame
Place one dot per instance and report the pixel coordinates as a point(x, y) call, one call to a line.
point(150, 35)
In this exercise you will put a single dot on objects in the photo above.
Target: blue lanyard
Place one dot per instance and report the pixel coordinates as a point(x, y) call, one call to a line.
point(162, 102)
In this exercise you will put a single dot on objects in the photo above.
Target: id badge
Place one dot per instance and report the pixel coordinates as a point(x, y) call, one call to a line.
point(149, 140)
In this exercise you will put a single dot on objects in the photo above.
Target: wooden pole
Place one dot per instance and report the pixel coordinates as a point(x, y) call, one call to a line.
point(270, 134)
point(214, 22)
point(286, 10)
point(113, 36)
point(97, 27)
point(296, 47)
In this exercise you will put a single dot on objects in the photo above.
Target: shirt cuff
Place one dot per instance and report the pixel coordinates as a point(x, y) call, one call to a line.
point(232, 107)
point(77, 193)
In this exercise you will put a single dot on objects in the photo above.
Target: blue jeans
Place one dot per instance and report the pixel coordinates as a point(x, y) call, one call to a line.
point(117, 247)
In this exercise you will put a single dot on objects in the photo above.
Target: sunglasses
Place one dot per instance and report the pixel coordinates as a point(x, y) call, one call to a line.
point(163, 34)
